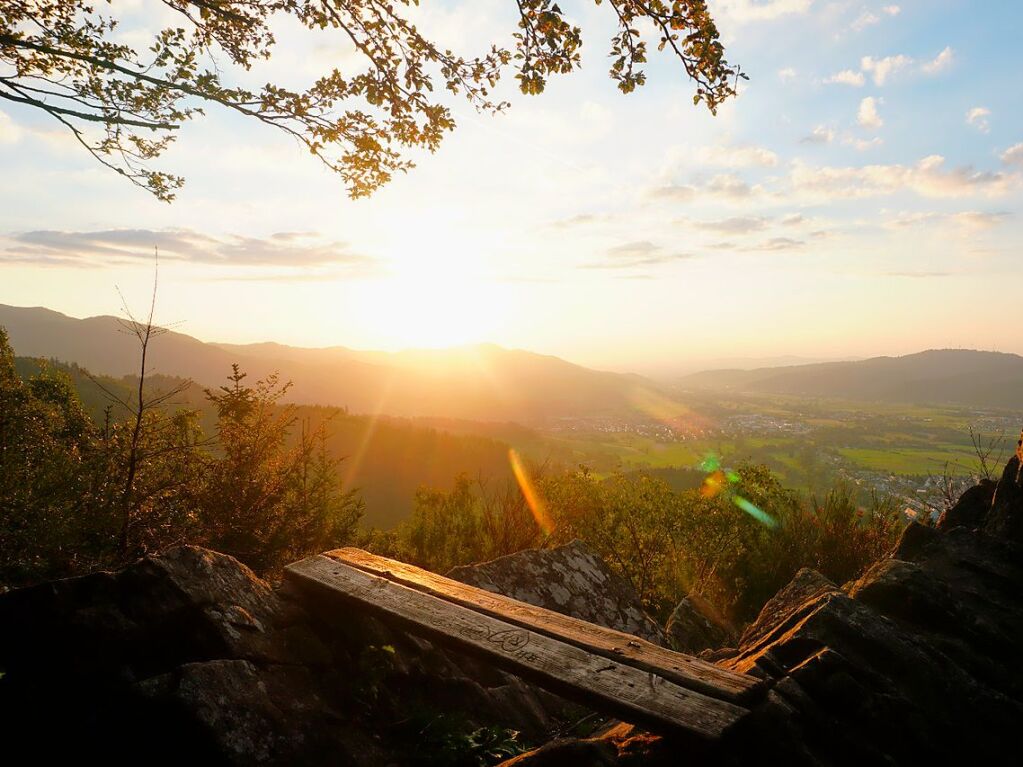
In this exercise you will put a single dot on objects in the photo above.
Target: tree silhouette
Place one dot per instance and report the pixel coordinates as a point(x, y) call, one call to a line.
point(125, 106)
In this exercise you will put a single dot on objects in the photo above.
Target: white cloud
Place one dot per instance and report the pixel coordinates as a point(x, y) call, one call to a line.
point(927, 178)
point(1013, 155)
point(819, 135)
point(734, 225)
point(9, 130)
point(977, 117)
point(865, 19)
point(121, 246)
point(676, 192)
point(882, 69)
point(737, 156)
point(868, 18)
point(867, 115)
point(730, 186)
point(940, 63)
point(786, 74)
point(862, 145)
point(762, 10)
point(847, 77)
point(967, 220)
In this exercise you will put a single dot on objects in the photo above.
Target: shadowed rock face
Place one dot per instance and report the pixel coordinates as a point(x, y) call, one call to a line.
point(570, 579)
point(189, 657)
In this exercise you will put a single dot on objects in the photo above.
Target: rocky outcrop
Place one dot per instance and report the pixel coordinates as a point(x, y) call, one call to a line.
point(694, 627)
point(916, 662)
point(188, 656)
point(569, 579)
point(1005, 520)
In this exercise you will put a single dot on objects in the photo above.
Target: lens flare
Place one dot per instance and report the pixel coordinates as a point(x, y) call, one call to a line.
point(680, 418)
point(713, 484)
point(530, 493)
point(720, 480)
point(759, 515)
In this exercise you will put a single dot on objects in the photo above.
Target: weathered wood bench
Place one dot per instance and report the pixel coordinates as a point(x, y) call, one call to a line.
point(606, 670)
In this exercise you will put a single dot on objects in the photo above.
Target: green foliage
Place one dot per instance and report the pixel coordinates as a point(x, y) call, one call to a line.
point(263, 501)
point(472, 522)
point(444, 740)
point(76, 495)
point(667, 543)
point(124, 106)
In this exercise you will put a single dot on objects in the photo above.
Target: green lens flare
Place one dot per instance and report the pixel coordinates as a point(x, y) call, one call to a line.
point(760, 516)
point(710, 463)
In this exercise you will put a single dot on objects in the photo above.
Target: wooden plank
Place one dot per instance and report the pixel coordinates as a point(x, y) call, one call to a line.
point(684, 670)
point(619, 690)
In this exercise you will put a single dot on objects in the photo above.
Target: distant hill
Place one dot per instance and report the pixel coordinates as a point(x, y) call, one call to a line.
point(483, 382)
point(937, 376)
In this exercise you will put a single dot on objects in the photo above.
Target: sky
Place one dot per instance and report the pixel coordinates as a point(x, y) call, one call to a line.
point(860, 197)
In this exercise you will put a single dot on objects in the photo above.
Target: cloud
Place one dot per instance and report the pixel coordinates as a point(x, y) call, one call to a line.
point(1013, 155)
point(737, 156)
point(969, 220)
point(778, 244)
point(918, 274)
point(882, 69)
point(726, 186)
point(762, 10)
point(867, 115)
point(734, 225)
point(819, 135)
point(862, 145)
point(847, 77)
point(294, 249)
point(634, 254)
point(581, 219)
point(868, 18)
point(729, 186)
point(977, 117)
point(865, 19)
point(786, 74)
point(940, 63)
point(9, 130)
point(927, 178)
point(793, 219)
point(676, 192)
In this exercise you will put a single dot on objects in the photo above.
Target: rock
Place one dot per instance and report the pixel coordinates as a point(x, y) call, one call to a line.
point(1005, 520)
point(694, 627)
point(188, 656)
point(570, 579)
point(971, 509)
point(800, 593)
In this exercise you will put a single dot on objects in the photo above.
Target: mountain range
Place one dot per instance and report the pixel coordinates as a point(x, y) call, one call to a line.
point(481, 382)
point(936, 376)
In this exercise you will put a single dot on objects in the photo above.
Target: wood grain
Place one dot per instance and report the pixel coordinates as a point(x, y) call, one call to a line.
point(618, 689)
point(684, 670)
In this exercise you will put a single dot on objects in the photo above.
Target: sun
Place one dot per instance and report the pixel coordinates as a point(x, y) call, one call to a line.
point(431, 303)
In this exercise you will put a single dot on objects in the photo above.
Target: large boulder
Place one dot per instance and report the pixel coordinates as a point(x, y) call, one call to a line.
point(971, 509)
point(569, 579)
point(1005, 520)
